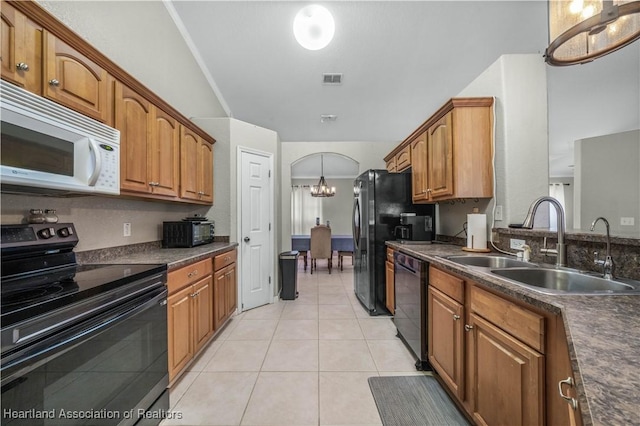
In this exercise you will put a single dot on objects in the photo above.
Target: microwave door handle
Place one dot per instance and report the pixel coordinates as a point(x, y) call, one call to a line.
point(94, 148)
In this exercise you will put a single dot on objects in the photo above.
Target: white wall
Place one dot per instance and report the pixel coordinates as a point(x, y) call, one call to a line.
point(368, 154)
point(141, 38)
point(518, 83)
point(607, 181)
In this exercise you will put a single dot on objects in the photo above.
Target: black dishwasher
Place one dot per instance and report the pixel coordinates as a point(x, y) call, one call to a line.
point(411, 305)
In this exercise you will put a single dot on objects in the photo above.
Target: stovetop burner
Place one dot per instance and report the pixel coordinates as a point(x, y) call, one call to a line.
point(26, 292)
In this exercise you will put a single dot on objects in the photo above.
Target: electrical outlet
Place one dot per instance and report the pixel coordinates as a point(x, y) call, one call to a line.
point(627, 221)
point(498, 213)
point(127, 229)
point(516, 244)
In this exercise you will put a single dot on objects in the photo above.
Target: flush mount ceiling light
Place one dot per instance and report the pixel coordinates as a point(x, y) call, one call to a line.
point(583, 30)
point(313, 27)
point(322, 189)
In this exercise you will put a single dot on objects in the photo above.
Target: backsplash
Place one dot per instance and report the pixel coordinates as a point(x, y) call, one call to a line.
point(580, 248)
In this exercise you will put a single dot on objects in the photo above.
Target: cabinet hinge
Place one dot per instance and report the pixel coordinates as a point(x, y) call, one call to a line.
point(269, 279)
point(269, 227)
point(269, 173)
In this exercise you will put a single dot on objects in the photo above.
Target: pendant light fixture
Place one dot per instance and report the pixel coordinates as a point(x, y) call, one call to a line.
point(322, 189)
point(583, 30)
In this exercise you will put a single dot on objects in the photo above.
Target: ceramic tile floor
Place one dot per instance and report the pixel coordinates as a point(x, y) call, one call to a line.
point(302, 362)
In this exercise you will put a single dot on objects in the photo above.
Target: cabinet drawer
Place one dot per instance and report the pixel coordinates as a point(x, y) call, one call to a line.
point(526, 326)
point(403, 159)
point(224, 259)
point(448, 284)
point(389, 254)
point(188, 275)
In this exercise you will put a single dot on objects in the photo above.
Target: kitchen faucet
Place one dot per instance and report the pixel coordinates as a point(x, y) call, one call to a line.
point(607, 263)
point(561, 248)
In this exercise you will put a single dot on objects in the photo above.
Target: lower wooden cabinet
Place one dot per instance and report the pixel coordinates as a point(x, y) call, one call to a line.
point(225, 288)
point(501, 359)
point(199, 303)
point(390, 283)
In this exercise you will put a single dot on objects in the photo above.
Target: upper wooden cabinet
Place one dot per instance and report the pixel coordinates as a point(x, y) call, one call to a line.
point(196, 177)
point(74, 80)
point(451, 153)
point(21, 49)
point(42, 55)
point(149, 145)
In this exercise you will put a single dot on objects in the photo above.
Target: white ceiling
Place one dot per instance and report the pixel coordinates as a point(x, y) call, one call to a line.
point(400, 61)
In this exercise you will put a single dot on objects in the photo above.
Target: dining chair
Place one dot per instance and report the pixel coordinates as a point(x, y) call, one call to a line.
point(320, 246)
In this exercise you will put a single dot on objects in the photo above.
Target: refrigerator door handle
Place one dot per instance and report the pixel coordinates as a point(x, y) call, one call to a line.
point(356, 223)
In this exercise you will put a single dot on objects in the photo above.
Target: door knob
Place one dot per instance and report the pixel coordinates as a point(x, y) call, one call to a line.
point(247, 239)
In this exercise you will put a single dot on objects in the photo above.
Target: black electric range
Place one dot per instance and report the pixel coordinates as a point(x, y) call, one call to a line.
point(79, 325)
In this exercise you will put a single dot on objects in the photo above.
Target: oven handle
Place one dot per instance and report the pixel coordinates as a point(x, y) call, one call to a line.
point(31, 357)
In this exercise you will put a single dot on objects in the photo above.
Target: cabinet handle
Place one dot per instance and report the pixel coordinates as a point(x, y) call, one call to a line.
point(154, 183)
point(193, 273)
point(21, 66)
point(468, 327)
point(456, 317)
point(54, 82)
point(572, 401)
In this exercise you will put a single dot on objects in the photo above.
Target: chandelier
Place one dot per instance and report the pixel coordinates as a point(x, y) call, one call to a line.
point(583, 30)
point(322, 189)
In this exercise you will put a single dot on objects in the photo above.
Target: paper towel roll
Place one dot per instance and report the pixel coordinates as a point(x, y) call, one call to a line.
point(477, 231)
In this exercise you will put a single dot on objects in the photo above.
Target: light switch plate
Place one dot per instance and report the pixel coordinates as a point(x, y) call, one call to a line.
point(627, 221)
point(498, 213)
point(126, 229)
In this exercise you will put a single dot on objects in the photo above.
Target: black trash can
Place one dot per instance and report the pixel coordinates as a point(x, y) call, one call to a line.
point(289, 275)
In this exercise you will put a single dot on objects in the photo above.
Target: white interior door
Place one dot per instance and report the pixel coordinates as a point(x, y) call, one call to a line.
point(255, 214)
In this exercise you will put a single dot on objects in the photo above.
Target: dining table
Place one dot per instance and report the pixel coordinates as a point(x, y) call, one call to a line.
point(343, 244)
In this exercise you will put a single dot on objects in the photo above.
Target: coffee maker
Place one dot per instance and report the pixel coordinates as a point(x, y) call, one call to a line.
point(414, 227)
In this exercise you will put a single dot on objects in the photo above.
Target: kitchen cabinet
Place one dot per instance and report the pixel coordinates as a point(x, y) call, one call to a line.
point(196, 175)
point(451, 153)
point(419, 186)
point(399, 161)
point(225, 287)
point(189, 313)
point(390, 288)
point(149, 145)
point(445, 298)
point(489, 351)
point(21, 40)
point(72, 79)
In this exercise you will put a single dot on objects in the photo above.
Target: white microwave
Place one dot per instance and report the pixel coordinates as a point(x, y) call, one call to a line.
point(48, 148)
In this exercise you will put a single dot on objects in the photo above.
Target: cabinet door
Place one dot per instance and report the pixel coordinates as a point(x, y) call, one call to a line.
point(179, 314)
point(507, 377)
point(189, 150)
point(133, 119)
point(205, 172)
point(391, 165)
point(440, 157)
point(419, 168)
point(202, 312)
point(231, 290)
point(21, 41)
point(446, 339)
point(164, 154)
point(219, 298)
point(74, 80)
point(390, 287)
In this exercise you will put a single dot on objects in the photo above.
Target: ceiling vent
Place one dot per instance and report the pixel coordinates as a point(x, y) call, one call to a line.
point(332, 78)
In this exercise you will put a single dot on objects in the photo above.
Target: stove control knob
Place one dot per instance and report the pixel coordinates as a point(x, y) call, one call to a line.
point(65, 232)
point(47, 233)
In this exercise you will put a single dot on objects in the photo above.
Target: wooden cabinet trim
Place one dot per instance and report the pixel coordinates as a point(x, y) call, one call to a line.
point(403, 159)
point(42, 17)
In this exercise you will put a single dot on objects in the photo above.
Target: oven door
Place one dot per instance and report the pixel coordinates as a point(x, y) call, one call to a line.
point(100, 372)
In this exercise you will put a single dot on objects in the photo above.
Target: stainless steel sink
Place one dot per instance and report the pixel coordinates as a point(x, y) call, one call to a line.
point(493, 262)
point(559, 281)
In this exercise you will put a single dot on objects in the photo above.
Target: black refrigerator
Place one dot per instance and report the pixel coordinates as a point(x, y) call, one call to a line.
point(379, 198)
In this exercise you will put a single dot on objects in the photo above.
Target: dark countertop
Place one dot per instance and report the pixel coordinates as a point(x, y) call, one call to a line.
point(175, 258)
point(603, 333)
